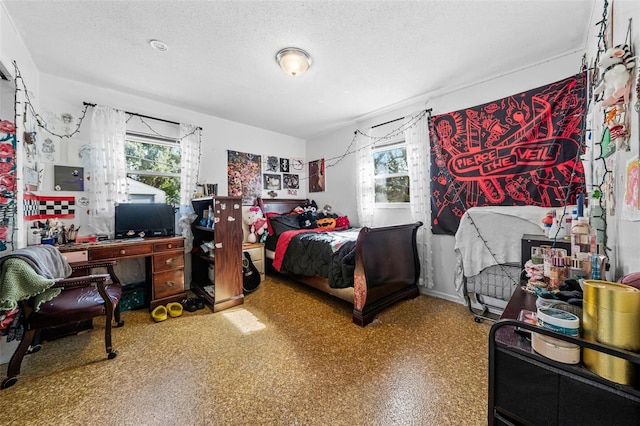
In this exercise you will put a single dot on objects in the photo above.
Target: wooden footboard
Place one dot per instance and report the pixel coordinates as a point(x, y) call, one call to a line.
point(387, 269)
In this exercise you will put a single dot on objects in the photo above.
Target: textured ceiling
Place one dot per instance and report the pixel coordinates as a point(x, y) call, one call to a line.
point(367, 55)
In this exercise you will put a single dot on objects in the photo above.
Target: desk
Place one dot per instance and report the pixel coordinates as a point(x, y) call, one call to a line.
point(164, 259)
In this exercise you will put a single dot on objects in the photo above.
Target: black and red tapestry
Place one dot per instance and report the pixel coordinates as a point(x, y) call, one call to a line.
point(522, 150)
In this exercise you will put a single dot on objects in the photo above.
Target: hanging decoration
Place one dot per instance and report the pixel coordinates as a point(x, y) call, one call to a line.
point(517, 151)
point(7, 182)
point(38, 207)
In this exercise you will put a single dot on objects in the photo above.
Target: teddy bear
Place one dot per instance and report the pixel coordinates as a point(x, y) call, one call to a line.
point(614, 66)
point(257, 224)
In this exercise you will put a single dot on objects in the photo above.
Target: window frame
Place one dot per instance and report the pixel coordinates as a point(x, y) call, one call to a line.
point(388, 145)
point(143, 138)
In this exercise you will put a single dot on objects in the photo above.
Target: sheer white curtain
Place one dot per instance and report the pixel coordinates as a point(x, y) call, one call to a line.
point(108, 172)
point(365, 180)
point(418, 155)
point(189, 167)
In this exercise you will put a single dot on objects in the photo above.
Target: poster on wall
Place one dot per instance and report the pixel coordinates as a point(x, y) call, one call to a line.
point(522, 150)
point(244, 175)
point(40, 207)
point(631, 205)
point(284, 165)
point(272, 181)
point(297, 164)
point(67, 178)
point(49, 150)
point(8, 188)
point(291, 181)
point(272, 164)
point(317, 176)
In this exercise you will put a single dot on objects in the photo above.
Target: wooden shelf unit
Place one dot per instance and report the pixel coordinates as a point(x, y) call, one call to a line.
point(226, 237)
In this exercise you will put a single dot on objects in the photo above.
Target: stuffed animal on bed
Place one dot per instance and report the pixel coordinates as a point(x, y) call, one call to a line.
point(257, 224)
point(615, 68)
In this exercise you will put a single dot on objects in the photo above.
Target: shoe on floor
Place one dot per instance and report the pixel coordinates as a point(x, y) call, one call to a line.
point(199, 302)
point(159, 313)
point(174, 309)
point(189, 304)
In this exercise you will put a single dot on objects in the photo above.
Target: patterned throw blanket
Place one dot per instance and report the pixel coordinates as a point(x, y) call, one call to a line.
point(30, 272)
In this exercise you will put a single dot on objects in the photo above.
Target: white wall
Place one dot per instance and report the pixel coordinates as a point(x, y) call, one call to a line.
point(341, 178)
point(60, 95)
point(624, 235)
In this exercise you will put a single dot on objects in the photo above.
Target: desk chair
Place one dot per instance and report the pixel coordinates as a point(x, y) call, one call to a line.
point(83, 297)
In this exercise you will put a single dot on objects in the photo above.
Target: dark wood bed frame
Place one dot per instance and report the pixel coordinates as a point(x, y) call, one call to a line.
point(387, 266)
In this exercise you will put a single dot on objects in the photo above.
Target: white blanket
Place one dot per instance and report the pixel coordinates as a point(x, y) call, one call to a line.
point(501, 227)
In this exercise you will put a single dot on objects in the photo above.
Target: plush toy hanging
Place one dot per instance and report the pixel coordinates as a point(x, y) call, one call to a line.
point(615, 68)
point(615, 83)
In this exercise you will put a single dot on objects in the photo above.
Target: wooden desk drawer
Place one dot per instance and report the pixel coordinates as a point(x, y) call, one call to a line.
point(168, 261)
point(168, 283)
point(122, 251)
point(76, 256)
point(169, 245)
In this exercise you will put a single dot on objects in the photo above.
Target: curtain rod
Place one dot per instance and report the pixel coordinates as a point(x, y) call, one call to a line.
point(144, 116)
point(388, 122)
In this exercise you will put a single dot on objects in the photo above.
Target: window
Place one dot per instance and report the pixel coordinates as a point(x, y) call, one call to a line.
point(153, 167)
point(391, 173)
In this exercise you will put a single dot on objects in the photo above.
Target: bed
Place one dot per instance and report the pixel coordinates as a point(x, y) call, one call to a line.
point(384, 261)
point(488, 255)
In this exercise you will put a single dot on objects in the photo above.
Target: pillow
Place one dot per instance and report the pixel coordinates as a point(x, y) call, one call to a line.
point(342, 222)
point(326, 222)
point(282, 223)
point(268, 216)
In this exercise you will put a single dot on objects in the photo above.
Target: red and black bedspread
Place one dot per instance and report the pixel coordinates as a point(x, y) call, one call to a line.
point(330, 254)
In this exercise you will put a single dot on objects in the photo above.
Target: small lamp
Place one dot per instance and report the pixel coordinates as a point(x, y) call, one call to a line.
point(293, 61)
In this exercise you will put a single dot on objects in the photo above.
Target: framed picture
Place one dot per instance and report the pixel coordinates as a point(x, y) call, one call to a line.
point(297, 164)
point(316, 176)
point(68, 178)
point(284, 165)
point(272, 181)
point(272, 164)
point(291, 181)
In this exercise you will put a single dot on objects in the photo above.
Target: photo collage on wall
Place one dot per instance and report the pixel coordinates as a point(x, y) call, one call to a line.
point(282, 174)
point(250, 174)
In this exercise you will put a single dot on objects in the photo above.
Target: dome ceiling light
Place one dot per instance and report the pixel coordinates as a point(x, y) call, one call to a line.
point(293, 61)
point(158, 45)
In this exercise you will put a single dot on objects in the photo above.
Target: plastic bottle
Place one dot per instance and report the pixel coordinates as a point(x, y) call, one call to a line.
point(581, 237)
point(547, 221)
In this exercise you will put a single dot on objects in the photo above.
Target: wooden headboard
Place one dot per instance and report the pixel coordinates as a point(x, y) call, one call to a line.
point(281, 205)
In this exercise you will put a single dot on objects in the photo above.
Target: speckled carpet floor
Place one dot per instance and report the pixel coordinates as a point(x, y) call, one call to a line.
point(289, 356)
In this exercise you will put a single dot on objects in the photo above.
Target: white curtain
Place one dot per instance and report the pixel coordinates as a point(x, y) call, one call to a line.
point(189, 167)
point(107, 170)
point(418, 155)
point(365, 179)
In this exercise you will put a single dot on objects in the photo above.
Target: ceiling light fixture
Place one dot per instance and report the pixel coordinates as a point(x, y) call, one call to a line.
point(293, 61)
point(158, 45)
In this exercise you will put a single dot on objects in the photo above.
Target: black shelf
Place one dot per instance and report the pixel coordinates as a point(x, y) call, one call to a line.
point(204, 228)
